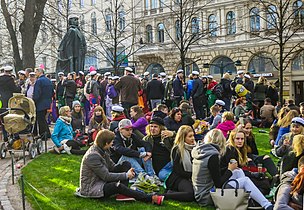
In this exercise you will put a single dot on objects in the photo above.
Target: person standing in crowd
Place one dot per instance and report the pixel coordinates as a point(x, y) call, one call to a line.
point(30, 87)
point(272, 93)
point(70, 88)
point(240, 77)
point(128, 86)
point(249, 84)
point(169, 95)
point(43, 93)
point(227, 91)
point(211, 96)
point(260, 91)
point(111, 94)
point(197, 94)
point(101, 178)
point(155, 91)
point(21, 80)
point(93, 90)
point(80, 80)
point(7, 88)
point(268, 113)
point(164, 78)
point(178, 87)
point(189, 86)
point(60, 90)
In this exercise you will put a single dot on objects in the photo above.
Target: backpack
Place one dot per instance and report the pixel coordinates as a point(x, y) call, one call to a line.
point(89, 87)
point(218, 90)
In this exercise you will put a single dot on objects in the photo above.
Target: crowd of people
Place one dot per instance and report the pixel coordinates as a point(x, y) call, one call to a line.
point(189, 136)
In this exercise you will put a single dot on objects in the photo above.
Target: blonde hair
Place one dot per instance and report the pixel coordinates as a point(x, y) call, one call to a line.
point(161, 128)
point(216, 136)
point(179, 141)
point(286, 120)
point(226, 76)
point(228, 115)
point(283, 111)
point(242, 152)
point(214, 109)
point(262, 80)
point(63, 110)
point(298, 144)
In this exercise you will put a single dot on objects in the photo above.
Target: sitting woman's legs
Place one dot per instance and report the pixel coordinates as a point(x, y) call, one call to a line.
point(184, 192)
point(114, 188)
point(76, 149)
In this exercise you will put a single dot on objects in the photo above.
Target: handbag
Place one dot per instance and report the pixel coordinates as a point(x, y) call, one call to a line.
point(230, 199)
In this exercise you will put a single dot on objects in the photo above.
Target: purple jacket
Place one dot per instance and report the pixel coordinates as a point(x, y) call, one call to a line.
point(111, 91)
point(226, 126)
point(140, 124)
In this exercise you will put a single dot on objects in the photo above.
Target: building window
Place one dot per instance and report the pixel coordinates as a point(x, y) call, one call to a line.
point(153, 4)
point(254, 19)
point(122, 20)
point(178, 33)
point(222, 63)
point(271, 17)
point(161, 3)
point(161, 32)
point(195, 26)
point(298, 12)
point(147, 4)
point(82, 22)
point(212, 25)
point(91, 60)
point(94, 23)
point(81, 3)
point(70, 5)
point(108, 22)
point(93, 2)
point(155, 68)
point(149, 34)
point(262, 63)
point(298, 62)
point(230, 21)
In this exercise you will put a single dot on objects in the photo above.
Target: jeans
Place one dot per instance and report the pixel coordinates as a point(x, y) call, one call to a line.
point(154, 103)
point(165, 171)
point(137, 163)
point(248, 185)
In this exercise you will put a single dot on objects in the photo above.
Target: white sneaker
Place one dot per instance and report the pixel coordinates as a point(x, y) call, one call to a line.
point(67, 149)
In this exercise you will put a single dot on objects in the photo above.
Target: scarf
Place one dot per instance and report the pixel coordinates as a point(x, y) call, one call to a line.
point(98, 119)
point(66, 119)
point(187, 164)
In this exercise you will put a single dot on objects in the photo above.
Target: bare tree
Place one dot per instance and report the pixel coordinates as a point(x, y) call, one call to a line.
point(283, 20)
point(26, 20)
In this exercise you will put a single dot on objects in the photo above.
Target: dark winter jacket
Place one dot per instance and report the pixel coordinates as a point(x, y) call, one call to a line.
point(249, 85)
point(260, 92)
point(177, 86)
point(7, 88)
point(171, 124)
point(198, 88)
point(227, 91)
point(70, 88)
point(43, 93)
point(155, 89)
point(128, 86)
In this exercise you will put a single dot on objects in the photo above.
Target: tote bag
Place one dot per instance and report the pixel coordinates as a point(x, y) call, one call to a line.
point(230, 199)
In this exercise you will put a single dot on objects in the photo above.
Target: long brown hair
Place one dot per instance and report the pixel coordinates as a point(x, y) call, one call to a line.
point(179, 141)
point(286, 120)
point(139, 112)
point(242, 152)
point(104, 118)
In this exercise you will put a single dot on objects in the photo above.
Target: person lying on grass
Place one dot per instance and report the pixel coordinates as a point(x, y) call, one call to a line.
point(101, 178)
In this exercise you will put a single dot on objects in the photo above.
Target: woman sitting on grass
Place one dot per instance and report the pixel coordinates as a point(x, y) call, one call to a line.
point(227, 123)
point(63, 134)
point(98, 122)
point(78, 123)
point(139, 122)
point(101, 178)
point(179, 184)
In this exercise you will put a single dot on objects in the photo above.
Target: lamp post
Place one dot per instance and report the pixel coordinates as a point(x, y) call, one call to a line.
point(221, 65)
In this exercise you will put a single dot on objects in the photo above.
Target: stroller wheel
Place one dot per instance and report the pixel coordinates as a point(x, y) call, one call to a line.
point(3, 150)
point(32, 150)
point(39, 145)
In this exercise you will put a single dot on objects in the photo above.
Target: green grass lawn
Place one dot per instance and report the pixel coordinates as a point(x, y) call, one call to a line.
point(57, 176)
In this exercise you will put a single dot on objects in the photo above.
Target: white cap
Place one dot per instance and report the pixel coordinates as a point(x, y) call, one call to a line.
point(163, 74)
point(60, 73)
point(180, 71)
point(220, 102)
point(21, 72)
point(92, 73)
point(195, 73)
point(146, 73)
point(32, 73)
point(247, 76)
point(116, 77)
point(117, 108)
point(240, 72)
point(128, 69)
point(8, 68)
point(53, 80)
point(110, 78)
point(81, 72)
point(107, 73)
point(210, 77)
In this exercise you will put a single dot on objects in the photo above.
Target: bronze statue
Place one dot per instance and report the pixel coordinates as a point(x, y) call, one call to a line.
point(72, 49)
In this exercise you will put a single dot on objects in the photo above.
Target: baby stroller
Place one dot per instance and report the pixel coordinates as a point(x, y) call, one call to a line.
point(19, 121)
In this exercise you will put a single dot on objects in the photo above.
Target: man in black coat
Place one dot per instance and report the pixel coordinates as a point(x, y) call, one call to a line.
point(197, 95)
point(70, 90)
point(155, 91)
point(178, 87)
point(7, 88)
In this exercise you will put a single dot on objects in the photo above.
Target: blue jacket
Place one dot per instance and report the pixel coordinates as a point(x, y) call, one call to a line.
point(281, 132)
point(43, 92)
point(62, 131)
point(178, 89)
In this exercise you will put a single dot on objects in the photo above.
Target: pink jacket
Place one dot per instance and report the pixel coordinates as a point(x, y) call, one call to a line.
point(226, 126)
